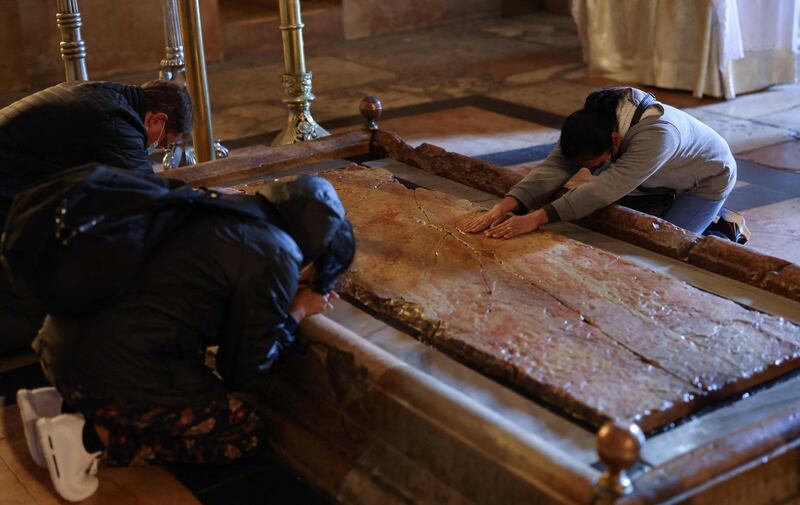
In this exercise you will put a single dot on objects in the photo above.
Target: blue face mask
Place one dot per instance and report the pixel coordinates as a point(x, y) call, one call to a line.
point(151, 149)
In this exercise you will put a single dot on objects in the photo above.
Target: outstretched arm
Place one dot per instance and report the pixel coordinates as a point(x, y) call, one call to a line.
point(648, 151)
point(530, 193)
point(538, 186)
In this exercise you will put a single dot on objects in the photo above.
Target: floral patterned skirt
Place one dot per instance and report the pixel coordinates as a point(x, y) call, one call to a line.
point(218, 432)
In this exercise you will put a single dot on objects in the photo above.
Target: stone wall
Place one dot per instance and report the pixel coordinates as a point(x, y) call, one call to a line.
point(120, 36)
point(561, 7)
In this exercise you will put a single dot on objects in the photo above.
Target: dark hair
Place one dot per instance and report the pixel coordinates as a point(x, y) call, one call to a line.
point(587, 132)
point(336, 259)
point(605, 101)
point(172, 99)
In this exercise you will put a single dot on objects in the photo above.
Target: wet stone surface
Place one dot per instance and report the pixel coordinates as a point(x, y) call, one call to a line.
point(592, 333)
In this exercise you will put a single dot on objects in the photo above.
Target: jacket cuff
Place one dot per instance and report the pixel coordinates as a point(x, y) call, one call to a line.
point(520, 209)
point(523, 198)
point(552, 213)
point(563, 209)
point(284, 338)
point(290, 325)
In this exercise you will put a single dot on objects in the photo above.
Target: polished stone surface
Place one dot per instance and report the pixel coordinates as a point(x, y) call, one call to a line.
point(470, 131)
point(565, 71)
point(783, 156)
point(776, 229)
point(560, 96)
point(363, 18)
point(725, 420)
point(785, 118)
point(742, 134)
point(754, 105)
point(516, 409)
point(525, 168)
point(703, 428)
point(414, 176)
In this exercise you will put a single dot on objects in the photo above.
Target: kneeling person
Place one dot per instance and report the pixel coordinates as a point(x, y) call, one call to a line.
point(69, 125)
point(135, 371)
point(621, 143)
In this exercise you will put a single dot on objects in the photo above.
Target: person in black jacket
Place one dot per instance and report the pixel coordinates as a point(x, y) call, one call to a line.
point(69, 125)
point(136, 369)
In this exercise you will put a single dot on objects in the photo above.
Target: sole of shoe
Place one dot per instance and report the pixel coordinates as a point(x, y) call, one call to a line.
point(60, 450)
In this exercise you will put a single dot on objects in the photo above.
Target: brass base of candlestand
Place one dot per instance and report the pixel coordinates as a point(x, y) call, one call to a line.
point(301, 127)
point(181, 155)
point(300, 124)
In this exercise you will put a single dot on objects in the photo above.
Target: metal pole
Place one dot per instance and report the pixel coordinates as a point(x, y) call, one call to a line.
point(196, 80)
point(172, 66)
point(73, 49)
point(296, 81)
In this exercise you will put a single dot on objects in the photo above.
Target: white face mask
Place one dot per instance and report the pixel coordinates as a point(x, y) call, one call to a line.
point(151, 149)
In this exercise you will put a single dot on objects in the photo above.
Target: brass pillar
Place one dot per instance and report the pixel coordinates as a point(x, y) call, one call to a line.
point(196, 79)
point(172, 66)
point(73, 49)
point(296, 80)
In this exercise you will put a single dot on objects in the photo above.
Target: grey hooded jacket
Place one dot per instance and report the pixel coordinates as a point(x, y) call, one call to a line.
point(672, 150)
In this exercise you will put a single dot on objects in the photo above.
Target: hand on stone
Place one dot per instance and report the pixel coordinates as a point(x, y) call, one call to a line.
point(494, 216)
point(308, 302)
point(518, 225)
point(486, 220)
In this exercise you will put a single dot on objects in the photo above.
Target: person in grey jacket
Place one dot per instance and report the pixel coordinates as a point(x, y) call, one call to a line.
point(601, 158)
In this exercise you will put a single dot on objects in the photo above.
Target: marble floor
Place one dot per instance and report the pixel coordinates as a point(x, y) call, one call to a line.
point(496, 89)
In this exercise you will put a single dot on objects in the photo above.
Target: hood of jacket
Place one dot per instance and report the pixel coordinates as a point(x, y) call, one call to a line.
point(310, 210)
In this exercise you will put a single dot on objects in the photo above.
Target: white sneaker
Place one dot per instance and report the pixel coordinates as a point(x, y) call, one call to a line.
point(72, 469)
point(33, 404)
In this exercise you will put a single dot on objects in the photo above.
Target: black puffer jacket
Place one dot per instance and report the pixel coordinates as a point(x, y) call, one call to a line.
point(219, 280)
point(68, 125)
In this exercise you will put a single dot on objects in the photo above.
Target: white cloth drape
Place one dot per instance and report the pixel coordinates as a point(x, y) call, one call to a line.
point(767, 25)
point(712, 47)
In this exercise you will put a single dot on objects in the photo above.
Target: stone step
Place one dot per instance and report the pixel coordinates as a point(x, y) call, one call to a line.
point(253, 29)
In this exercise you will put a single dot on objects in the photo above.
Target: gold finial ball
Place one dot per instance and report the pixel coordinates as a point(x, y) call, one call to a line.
point(619, 444)
point(370, 108)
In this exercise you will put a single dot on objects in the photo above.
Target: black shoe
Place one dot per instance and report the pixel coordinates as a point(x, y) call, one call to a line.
point(729, 225)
